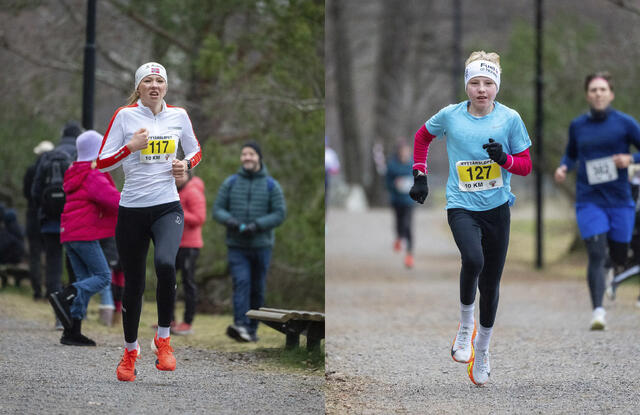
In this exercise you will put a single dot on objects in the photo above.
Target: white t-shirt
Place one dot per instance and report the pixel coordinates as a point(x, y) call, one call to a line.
point(147, 173)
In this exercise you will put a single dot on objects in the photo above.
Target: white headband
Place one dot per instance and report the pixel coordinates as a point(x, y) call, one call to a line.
point(482, 68)
point(150, 68)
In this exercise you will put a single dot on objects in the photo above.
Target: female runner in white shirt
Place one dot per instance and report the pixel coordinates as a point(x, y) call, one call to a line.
point(144, 136)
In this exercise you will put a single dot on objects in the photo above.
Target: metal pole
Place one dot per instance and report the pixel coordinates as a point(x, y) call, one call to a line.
point(457, 49)
point(89, 67)
point(539, 165)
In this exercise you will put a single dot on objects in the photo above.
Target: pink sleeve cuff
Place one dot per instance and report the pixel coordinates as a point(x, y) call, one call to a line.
point(421, 148)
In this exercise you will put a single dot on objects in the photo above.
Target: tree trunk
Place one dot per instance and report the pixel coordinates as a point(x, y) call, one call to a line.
point(347, 121)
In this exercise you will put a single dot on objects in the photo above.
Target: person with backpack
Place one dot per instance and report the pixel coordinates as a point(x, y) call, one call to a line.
point(144, 137)
point(89, 215)
point(251, 205)
point(48, 193)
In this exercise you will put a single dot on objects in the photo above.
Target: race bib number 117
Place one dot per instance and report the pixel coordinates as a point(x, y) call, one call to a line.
point(158, 150)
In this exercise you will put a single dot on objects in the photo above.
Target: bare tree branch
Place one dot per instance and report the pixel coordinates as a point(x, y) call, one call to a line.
point(624, 4)
point(304, 105)
point(57, 65)
point(77, 20)
point(147, 25)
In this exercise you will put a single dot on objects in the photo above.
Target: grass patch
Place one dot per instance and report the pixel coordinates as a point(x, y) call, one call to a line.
point(209, 331)
point(558, 234)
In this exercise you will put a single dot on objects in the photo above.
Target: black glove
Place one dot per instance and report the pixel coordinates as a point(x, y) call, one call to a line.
point(232, 224)
point(420, 189)
point(249, 229)
point(495, 152)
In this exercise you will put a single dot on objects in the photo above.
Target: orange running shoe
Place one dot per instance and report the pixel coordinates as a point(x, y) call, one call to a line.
point(126, 370)
point(408, 261)
point(162, 348)
point(397, 245)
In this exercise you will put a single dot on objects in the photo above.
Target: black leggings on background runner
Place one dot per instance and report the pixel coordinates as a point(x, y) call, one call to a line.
point(403, 224)
point(482, 238)
point(597, 252)
point(136, 227)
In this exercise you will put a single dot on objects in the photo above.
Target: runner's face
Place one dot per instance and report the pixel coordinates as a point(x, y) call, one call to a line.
point(152, 90)
point(250, 159)
point(482, 92)
point(599, 94)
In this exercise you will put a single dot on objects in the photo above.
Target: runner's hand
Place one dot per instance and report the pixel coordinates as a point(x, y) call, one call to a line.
point(560, 174)
point(420, 188)
point(139, 141)
point(495, 152)
point(178, 168)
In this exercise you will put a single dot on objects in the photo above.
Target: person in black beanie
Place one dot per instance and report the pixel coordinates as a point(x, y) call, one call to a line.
point(250, 204)
point(61, 157)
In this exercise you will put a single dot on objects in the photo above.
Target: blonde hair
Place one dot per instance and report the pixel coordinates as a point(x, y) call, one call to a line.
point(133, 97)
point(484, 56)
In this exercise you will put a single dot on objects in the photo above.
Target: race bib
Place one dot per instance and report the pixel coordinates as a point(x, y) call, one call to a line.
point(159, 149)
point(601, 170)
point(403, 184)
point(478, 175)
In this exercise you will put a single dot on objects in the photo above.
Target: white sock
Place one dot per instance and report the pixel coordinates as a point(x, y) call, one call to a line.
point(599, 310)
point(466, 314)
point(163, 332)
point(131, 346)
point(483, 337)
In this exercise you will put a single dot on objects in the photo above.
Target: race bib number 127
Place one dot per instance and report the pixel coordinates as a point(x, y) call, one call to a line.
point(478, 175)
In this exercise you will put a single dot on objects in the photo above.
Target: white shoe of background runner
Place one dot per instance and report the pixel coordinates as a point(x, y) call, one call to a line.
point(597, 320)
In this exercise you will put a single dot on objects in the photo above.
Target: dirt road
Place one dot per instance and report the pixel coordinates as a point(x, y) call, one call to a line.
point(389, 331)
point(38, 375)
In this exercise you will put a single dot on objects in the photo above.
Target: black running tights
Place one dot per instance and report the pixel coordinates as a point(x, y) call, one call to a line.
point(403, 224)
point(597, 251)
point(482, 238)
point(163, 224)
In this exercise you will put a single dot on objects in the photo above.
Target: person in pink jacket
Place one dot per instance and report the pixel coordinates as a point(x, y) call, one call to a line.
point(192, 199)
point(90, 214)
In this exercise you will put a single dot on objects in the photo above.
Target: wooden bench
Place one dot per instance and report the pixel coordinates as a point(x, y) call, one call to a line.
point(17, 271)
point(293, 323)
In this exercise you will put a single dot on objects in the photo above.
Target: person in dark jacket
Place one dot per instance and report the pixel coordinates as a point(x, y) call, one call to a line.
point(250, 204)
point(399, 179)
point(11, 237)
point(33, 225)
point(50, 227)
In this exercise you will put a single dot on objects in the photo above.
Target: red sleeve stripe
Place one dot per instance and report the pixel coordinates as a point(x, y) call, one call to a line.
point(421, 144)
point(123, 152)
point(520, 163)
point(198, 156)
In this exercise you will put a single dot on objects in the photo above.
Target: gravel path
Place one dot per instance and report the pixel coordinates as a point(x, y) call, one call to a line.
point(39, 375)
point(389, 331)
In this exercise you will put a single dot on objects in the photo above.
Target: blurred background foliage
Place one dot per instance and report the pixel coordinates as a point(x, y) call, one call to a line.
point(243, 69)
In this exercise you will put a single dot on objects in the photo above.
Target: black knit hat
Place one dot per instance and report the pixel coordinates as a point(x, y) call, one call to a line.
point(72, 129)
point(254, 145)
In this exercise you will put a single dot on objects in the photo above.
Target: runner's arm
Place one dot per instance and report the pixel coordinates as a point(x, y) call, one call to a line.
point(190, 143)
point(421, 148)
point(519, 163)
point(113, 149)
point(571, 153)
